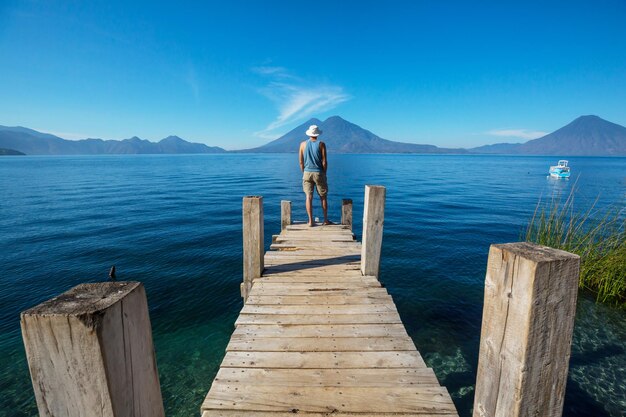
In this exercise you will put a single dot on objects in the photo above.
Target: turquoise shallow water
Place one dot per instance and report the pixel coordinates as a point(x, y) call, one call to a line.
point(174, 223)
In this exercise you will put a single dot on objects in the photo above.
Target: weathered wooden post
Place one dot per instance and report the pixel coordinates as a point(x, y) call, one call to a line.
point(373, 219)
point(346, 212)
point(528, 319)
point(90, 353)
point(285, 214)
point(252, 242)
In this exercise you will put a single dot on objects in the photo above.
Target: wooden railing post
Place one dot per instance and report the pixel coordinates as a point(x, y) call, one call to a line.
point(285, 214)
point(252, 242)
point(90, 352)
point(373, 219)
point(526, 336)
point(346, 212)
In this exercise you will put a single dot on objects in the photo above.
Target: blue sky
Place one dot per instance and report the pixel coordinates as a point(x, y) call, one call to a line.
point(239, 73)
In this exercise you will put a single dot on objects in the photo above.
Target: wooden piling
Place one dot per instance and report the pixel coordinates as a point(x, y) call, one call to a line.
point(285, 214)
point(252, 242)
point(373, 219)
point(346, 212)
point(528, 319)
point(90, 352)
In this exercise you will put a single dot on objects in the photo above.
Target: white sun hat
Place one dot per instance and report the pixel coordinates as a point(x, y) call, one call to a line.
point(313, 131)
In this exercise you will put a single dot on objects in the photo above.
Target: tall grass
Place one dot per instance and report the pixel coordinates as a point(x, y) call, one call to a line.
point(597, 236)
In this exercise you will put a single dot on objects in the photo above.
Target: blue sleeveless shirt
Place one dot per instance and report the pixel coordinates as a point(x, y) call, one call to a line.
point(313, 156)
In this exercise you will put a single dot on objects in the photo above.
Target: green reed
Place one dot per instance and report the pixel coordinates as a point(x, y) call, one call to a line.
point(597, 236)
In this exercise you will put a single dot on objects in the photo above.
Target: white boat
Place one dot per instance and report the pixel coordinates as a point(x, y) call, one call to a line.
point(560, 170)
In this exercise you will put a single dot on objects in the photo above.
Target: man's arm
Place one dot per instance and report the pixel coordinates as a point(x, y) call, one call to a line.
point(301, 156)
point(324, 160)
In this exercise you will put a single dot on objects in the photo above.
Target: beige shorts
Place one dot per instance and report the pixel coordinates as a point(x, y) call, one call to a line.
point(315, 178)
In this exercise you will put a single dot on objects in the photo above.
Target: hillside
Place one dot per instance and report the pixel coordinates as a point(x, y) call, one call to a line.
point(341, 136)
point(32, 142)
point(10, 152)
point(585, 136)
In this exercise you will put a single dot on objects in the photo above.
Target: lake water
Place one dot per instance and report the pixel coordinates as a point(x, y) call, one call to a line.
point(174, 223)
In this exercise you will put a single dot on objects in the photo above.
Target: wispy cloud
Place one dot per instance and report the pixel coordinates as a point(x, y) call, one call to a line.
point(295, 98)
point(517, 133)
point(269, 70)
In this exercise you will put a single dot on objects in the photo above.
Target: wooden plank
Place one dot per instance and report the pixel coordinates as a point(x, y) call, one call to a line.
point(319, 344)
point(312, 263)
point(291, 260)
point(238, 413)
point(323, 235)
point(312, 235)
point(315, 264)
point(318, 309)
point(285, 291)
point(417, 399)
point(331, 259)
point(350, 273)
point(318, 236)
point(296, 256)
point(304, 226)
point(335, 330)
point(296, 228)
point(373, 282)
point(323, 277)
point(315, 239)
point(303, 277)
point(328, 255)
point(376, 318)
point(312, 267)
point(345, 237)
point(273, 271)
point(304, 246)
point(323, 360)
point(321, 251)
point(318, 251)
point(313, 270)
point(312, 244)
point(315, 243)
point(314, 286)
point(367, 298)
point(319, 278)
point(327, 377)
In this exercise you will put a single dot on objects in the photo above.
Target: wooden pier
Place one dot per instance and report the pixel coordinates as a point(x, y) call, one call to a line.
point(317, 336)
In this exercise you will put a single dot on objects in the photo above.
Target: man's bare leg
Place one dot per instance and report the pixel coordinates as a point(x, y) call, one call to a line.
point(309, 208)
point(324, 201)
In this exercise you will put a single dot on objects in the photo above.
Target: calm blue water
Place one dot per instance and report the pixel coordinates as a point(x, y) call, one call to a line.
point(174, 223)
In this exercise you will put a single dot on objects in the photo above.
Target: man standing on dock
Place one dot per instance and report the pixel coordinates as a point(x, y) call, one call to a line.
point(313, 165)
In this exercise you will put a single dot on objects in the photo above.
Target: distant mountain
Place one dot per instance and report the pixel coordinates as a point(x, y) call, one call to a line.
point(585, 136)
point(497, 148)
point(6, 152)
point(33, 142)
point(342, 136)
